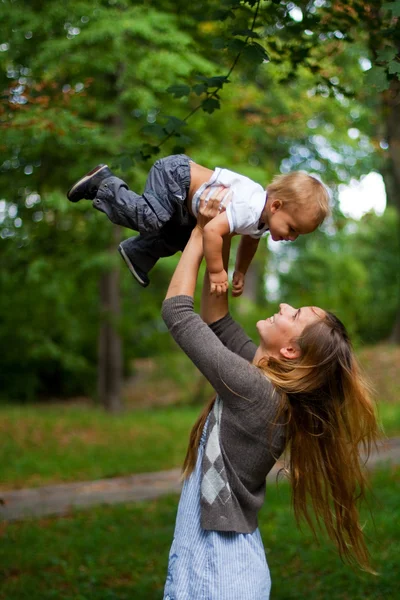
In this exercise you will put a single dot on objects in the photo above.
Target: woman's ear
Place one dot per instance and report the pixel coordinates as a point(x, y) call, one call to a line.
point(290, 352)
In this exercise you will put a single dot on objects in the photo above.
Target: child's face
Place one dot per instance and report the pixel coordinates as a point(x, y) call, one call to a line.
point(287, 223)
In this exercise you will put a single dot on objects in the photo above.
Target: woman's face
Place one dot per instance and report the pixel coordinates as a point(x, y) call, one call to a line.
point(278, 333)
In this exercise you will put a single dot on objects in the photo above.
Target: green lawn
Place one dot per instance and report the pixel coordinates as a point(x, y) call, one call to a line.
point(389, 416)
point(120, 552)
point(48, 444)
point(41, 445)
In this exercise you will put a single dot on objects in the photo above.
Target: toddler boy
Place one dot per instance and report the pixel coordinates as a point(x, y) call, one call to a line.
point(165, 214)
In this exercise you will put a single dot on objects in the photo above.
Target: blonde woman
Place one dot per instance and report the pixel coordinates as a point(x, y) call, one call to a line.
point(299, 388)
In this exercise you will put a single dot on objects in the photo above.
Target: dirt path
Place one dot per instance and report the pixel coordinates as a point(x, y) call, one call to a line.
point(61, 498)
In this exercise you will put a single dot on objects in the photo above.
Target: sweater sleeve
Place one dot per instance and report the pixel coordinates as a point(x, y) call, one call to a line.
point(231, 375)
point(234, 337)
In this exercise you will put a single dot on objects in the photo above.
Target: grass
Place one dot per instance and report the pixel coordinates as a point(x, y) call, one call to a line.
point(389, 417)
point(41, 445)
point(381, 364)
point(120, 552)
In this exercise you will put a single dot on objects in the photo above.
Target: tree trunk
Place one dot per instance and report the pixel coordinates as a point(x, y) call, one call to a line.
point(110, 356)
point(109, 374)
point(391, 100)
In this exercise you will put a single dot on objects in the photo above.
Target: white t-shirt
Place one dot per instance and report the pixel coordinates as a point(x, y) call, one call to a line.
point(247, 201)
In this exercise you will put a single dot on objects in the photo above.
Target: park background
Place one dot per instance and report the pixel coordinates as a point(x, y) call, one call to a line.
point(91, 383)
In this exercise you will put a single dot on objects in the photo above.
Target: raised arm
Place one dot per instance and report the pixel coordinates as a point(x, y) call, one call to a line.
point(227, 372)
point(215, 312)
point(215, 307)
point(184, 279)
point(246, 251)
point(214, 233)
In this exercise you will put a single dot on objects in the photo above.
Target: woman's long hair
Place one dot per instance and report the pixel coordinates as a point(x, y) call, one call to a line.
point(194, 440)
point(330, 419)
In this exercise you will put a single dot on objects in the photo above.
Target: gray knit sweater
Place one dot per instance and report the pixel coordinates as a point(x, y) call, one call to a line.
point(244, 439)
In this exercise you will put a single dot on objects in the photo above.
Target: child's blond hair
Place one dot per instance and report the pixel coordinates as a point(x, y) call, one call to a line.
point(301, 189)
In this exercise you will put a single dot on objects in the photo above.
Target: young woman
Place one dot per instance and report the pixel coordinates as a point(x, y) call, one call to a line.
point(299, 389)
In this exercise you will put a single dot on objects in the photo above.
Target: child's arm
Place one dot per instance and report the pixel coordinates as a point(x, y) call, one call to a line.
point(246, 251)
point(213, 242)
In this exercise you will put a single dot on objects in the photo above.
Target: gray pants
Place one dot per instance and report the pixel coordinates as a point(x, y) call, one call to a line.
point(159, 214)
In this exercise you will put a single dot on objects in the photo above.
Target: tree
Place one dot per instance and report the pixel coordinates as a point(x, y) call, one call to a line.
point(53, 108)
point(345, 26)
point(90, 84)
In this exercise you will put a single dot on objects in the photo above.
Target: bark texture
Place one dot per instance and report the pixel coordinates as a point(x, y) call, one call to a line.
point(109, 374)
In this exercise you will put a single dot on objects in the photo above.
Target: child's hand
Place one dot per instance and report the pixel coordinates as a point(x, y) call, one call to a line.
point(237, 284)
point(218, 283)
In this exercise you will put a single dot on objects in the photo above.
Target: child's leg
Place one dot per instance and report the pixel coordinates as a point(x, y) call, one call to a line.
point(112, 196)
point(128, 209)
point(142, 252)
point(164, 196)
point(160, 214)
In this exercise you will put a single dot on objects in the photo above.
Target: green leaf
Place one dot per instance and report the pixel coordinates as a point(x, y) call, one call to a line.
point(217, 81)
point(125, 162)
point(178, 149)
point(246, 33)
point(200, 88)
point(174, 124)
point(136, 154)
point(147, 151)
point(393, 6)
point(394, 67)
point(218, 43)
point(179, 90)
point(154, 129)
point(210, 104)
point(255, 53)
point(185, 140)
point(377, 78)
point(222, 15)
point(236, 45)
point(386, 54)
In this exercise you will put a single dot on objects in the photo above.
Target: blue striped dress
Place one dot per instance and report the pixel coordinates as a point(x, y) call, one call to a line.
point(213, 565)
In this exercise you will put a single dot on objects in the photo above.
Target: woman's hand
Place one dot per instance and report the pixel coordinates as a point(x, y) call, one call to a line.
point(212, 205)
point(237, 284)
point(218, 283)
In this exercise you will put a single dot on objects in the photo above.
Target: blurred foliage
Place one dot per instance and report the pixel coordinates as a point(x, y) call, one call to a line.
point(120, 81)
point(354, 272)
